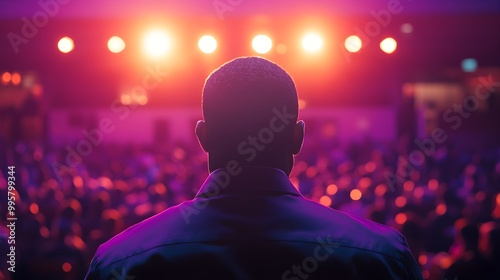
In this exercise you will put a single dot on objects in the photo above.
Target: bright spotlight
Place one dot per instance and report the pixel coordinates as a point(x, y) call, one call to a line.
point(262, 44)
point(353, 43)
point(312, 42)
point(116, 44)
point(388, 45)
point(156, 44)
point(65, 45)
point(207, 44)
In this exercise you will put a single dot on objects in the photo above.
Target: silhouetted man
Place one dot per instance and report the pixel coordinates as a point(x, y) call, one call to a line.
point(248, 221)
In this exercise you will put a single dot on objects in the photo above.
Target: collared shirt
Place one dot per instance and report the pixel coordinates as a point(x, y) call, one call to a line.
point(254, 224)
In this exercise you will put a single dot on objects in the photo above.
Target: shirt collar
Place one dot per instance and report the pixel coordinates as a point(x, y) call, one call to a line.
point(248, 180)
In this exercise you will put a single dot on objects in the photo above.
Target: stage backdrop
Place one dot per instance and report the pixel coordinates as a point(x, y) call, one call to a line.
point(123, 124)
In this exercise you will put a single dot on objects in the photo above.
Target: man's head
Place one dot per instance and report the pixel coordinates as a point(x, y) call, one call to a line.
point(250, 109)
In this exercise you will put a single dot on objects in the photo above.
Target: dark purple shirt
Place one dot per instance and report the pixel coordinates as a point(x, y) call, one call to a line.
point(252, 223)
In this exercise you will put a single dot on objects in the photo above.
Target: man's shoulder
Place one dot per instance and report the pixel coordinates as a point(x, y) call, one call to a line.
point(141, 237)
point(357, 232)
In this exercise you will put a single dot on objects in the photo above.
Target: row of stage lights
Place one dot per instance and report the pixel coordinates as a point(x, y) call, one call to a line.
point(157, 44)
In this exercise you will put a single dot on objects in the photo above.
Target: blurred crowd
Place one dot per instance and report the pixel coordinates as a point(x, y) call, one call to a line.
point(446, 204)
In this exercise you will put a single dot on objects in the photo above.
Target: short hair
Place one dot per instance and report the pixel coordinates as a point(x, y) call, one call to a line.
point(242, 96)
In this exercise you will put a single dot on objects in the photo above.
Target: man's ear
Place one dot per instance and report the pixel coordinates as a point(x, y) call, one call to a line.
point(201, 134)
point(298, 137)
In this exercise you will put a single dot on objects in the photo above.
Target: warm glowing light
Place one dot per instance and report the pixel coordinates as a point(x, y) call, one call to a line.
point(44, 232)
point(6, 77)
point(179, 153)
point(78, 182)
point(325, 200)
point(311, 171)
point(370, 167)
point(207, 44)
point(498, 199)
point(125, 99)
point(66, 267)
point(441, 209)
point(418, 192)
point(433, 184)
point(65, 45)
point(262, 44)
point(16, 78)
point(400, 201)
point(400, 218)
point(364, 182)
point(388, 45)
point(380, 190)
point(34, 208)
point(141, 99)
point(332, 189)
point(408, 186)
point(157, 44)
point(353, 44)
point(116, 44)
point(422, 259)
point(160, 188)
point(355, 194)
point(312, 42)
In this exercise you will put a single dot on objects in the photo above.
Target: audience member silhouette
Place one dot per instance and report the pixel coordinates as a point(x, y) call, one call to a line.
point(470, 263)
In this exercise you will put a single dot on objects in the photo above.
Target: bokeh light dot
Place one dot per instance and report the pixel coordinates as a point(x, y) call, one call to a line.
point(65, 45)
point(66, 267)
point(441, 209)
point(16, 78)
point(400, 218)
point(34, 209)
point(388, 45)
point(325, 200)
point(207, 44)
point(353, 44)
point(355, 194)
point(433, 184)
point(116, 44)
point(262, 44)
point(332, 189)
point(6, 77)
point(408, 186)
point(469, 65)
point(400, 201)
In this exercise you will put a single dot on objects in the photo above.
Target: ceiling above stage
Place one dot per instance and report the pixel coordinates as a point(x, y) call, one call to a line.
point(444, 33)
point(131, 8)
